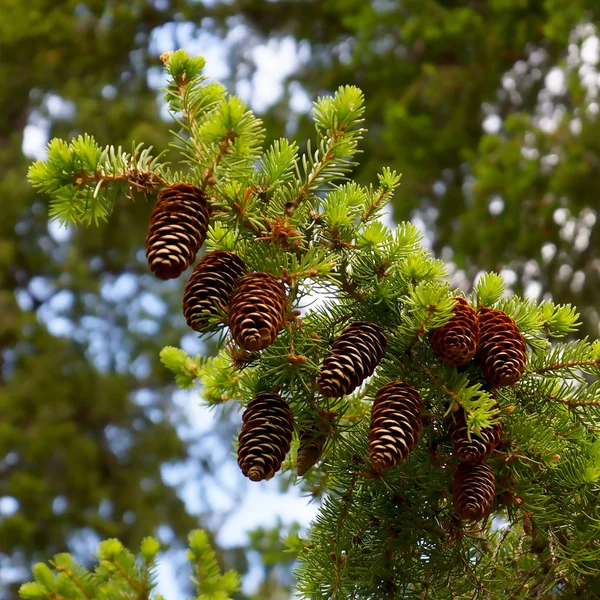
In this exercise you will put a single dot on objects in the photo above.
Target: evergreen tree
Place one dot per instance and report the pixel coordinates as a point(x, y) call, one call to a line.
point(452, 440)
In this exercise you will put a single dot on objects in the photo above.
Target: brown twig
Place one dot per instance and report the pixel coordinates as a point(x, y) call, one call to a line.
point(224, 146)
point(373, 207)
point(567, 365)
point(292, 205)
point(572, 402)
point(421, 330)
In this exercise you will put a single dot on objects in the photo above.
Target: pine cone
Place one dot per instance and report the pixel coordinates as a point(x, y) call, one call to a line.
point(396, 422)
point(473, 491)
point(501, 349)
point(256, 310)
point(210, 287)
point(312, 441)
point(352, 358)
point(310, 449)
point(266, 436)
point(456, 342)
point(479, 447)
point(177, 229)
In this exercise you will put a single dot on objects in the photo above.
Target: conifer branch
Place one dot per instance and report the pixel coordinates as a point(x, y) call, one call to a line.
point(133, 584)
point(350, 287)
point(566, 365)
point(373, 207)
point(69, 573)
point(572, 402)
point(224, 146)
point(314, 174)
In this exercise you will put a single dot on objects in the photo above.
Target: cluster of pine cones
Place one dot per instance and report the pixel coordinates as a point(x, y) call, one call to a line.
point(254, 302)
point(255, 306)
point(492, 338)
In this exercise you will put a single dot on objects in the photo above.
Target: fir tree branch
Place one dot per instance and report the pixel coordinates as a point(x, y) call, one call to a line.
point(224, 146)
point(118, 567)
point(69, 573)
point(302, 193)
point(566, 365)
point(572, 402)
point(373, 207)
point(79, 175)
point(422, 329)
point(350, 287)
point(338, 557)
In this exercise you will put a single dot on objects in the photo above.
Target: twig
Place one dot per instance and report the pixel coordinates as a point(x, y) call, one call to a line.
point(128, 579)
point(573, 402)
point(346, 500)
point(501, 540)
point(223, 148)
point(350, 287)
point(69, 574)
point(292, 205)
point(373, 207)
point(421, 330)
point(567, 365)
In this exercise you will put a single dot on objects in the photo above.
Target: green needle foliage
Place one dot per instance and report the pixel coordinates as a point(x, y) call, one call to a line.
point(120, 574)
point(303, 220)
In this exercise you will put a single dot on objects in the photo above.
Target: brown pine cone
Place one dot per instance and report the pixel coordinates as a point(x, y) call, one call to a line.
point(210, 286)
point(312, 441)
point(396, 422)
point(479, 447)
point(311, 446)
point(501, 350)
point(456, 342)
point(473, 491)
point(352, 358)
point(177, 229)
point(265, 437)
point(256, 310)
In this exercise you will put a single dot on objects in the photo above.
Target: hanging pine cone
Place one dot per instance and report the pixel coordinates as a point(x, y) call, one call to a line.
point(456, 342)
point(311, 446)
point(210, 287)
point(479, 447)
point(266, 436)
point(312, 441)
point(473, 491)
point(177, 229)
point(256, 310)
point(501, 349)
point(352, 358)
point(396, 422)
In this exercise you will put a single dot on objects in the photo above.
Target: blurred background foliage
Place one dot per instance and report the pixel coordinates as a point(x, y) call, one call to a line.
point(489, 108)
